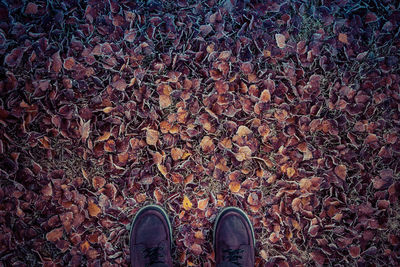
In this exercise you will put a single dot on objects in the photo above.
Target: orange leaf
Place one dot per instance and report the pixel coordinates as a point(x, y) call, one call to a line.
point(94, 210)
point(54, 235)
point(109, 146)
point(104, 137)
point(151, 137)
point(187, 205)
point(176, 153)
point(85, 247)
point(341, 171)
point(343, 38)
point(265, 96)
point(280, 40)
point(165, 101)
point(202, 204)
point(98, 182)
point(234, 186)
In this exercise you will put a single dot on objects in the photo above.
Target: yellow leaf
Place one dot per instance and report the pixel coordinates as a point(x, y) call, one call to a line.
point(107, 109)
point(162, 169)
point(290, 172)
point(187, 205)
point(265, 96)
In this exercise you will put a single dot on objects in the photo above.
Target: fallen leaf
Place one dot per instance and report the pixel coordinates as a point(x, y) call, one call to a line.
point(234, 186)
point(265, 96)
point(93, 209)
point(176, 153)
point(152, 137)
point(290, 172)
point(280, 40)
point(202, 204)
point(187, 205)
point(69, 63)
point(104, 137)
point(343, 38)
point(341, 171)
point(243, 131)
point(207, 144)
point(165, 101)
point(54, 235)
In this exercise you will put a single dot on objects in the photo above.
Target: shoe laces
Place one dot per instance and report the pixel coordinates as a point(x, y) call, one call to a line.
point(233, 256)
point(154, 255)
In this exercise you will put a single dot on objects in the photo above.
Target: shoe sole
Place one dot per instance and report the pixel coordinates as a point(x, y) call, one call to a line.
point(241, 212)
point(152, 207)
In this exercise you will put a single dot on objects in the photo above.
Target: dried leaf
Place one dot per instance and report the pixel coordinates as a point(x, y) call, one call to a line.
point(343, 38)
point(234, 186)
point(93, 209)
point(176, 153)
point(165, 101)
point(187, 205)
point(151, 137)
point(54, 235)
point(202, 204)
point(280, 40)
point(341, 171)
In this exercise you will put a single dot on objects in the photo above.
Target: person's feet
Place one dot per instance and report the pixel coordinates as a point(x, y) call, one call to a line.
point(151, 238)
point(233, 239)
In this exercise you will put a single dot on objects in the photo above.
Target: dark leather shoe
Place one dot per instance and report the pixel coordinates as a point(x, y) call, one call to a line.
point(233, 239)
point(151, 238)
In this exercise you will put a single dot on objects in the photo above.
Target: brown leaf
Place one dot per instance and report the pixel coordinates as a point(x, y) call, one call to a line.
point(93, 209)
point(151, 137)
point(290, 172)
point(56, 64)
point(343, 38)
point(354, 251)
point(196, 249)
point(244, 153)
point(243, 131)
point(119, 84)
point(176, 153)
point(85, 130)
point(55, 234)
point(31, 9)
point(165, 101)
point(69, 63)
point(85, 247)
point(265, 96)
point(318, 257)
point(47, 190)
point(104, 137)
point(98, 182)
point(109, 146)
point(341, 171)
point(207, 144)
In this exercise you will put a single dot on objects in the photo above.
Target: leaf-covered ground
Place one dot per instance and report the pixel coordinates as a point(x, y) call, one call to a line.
point(288, 109)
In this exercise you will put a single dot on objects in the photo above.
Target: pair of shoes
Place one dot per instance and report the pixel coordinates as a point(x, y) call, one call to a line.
point(151, 238)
